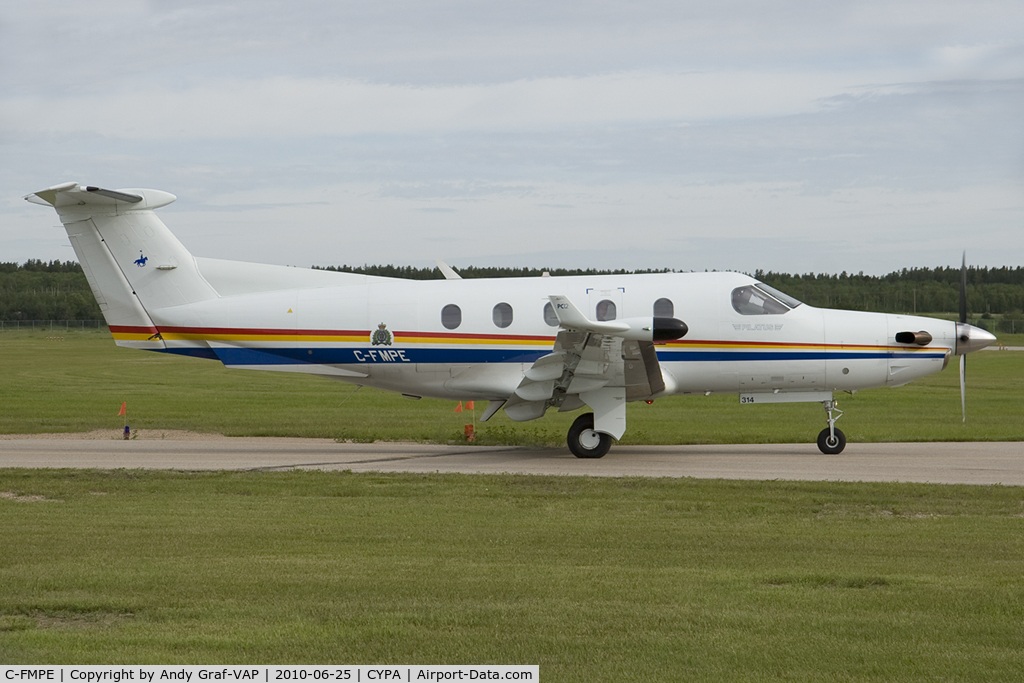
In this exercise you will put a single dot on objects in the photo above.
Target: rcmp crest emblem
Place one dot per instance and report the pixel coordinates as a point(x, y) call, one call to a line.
point(382, 336)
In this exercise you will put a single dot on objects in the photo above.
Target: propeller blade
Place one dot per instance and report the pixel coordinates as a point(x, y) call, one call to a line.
point(963, 386)
point(963, 320)
point(963, 289)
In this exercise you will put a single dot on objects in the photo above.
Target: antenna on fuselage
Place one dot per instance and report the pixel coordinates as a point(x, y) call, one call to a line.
point(446, 270)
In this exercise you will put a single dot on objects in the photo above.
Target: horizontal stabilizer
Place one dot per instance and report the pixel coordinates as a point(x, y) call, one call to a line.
point(86, 199)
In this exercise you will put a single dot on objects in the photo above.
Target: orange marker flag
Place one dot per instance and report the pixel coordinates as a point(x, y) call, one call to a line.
point(458, 408)
point(469, 405)
point(124, 409)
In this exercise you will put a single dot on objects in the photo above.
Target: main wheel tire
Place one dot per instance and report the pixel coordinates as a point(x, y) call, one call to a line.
point(584, 442)
point(830, 446)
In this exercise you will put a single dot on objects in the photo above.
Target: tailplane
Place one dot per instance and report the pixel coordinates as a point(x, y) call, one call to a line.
point(130, 258)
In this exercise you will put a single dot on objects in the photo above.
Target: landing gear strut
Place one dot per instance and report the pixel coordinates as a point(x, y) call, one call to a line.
point(831, 441)
point(584, 442)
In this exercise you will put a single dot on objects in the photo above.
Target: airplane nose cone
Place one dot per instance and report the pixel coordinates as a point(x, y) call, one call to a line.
point(970, 338)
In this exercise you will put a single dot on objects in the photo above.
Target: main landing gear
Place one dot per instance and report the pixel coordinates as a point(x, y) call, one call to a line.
point(831, 441)
point(584, 442)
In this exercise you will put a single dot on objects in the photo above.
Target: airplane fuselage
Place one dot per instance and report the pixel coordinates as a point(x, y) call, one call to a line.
point(474, 339)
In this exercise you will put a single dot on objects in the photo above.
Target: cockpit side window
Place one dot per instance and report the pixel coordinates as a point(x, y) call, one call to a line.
point(784, 298)
point(760, 299)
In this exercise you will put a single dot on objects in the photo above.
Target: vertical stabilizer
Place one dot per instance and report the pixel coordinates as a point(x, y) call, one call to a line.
point(133, 263)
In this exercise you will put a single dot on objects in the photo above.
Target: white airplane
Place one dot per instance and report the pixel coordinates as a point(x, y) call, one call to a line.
point(524, 344)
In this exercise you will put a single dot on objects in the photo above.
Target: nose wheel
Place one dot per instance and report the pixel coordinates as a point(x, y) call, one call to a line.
point(831, 441)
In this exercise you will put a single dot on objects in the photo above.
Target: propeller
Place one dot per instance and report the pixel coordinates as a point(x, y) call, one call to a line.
point(968, 337)
point(963, 321)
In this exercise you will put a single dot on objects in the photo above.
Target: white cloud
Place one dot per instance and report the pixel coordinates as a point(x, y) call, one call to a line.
point(634, 225)
point(302, 107)
point(305, 107)
point(769, 135)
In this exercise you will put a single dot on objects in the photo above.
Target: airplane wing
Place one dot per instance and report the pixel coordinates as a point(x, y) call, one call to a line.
point(596, 363)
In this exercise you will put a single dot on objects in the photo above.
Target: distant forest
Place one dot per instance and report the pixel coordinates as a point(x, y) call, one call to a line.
point(57, 290)
point(998, 291)
point(41, 290)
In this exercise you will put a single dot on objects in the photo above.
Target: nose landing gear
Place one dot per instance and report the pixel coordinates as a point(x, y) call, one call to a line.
point(831, 441)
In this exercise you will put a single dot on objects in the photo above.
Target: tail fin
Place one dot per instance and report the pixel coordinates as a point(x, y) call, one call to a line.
point(132, 261)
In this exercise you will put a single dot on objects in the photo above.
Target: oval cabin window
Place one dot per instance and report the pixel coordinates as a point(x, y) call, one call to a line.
point(549, 315)
point(664, 308)
point(606, 310)
point(451, 316)
point(502, 315)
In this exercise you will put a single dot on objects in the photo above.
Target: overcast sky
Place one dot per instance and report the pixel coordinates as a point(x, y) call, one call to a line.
point(786, 136)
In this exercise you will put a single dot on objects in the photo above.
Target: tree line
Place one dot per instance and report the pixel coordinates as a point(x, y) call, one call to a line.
point(46, 290)
point(57, 290)
point(990, 291)
point(997, 291)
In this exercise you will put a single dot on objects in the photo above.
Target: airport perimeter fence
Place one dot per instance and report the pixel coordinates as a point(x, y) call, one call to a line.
point(1011, 326)
point(11, 325)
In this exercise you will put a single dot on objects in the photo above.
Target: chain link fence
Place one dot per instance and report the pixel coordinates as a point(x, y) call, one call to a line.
point(11, 325)
point(1011, 326)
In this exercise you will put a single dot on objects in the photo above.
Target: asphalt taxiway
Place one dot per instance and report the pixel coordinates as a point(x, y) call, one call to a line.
point(942, 463)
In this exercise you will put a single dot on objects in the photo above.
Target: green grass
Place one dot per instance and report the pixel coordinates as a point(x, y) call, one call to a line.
point(592, 579)
point(79, 382)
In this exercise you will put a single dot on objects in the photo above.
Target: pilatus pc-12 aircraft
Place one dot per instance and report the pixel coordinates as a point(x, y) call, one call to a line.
point(526, 344)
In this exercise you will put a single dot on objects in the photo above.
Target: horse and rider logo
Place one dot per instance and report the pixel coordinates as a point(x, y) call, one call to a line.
point(141, 261)
point(382, 336)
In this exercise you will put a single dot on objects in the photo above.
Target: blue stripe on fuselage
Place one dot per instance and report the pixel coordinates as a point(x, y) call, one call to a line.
point(379, 355)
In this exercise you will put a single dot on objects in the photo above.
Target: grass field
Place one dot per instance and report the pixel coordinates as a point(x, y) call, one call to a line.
point(592, 579)
point(76, 381)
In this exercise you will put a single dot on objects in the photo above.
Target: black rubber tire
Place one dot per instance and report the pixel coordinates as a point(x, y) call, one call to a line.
point(584, 442)
point(830, 446)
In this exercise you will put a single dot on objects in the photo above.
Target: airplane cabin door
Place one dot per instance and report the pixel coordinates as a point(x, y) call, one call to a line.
point(605, 304)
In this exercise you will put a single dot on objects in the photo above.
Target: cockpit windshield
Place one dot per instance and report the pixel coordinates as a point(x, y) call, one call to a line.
point(760, 299)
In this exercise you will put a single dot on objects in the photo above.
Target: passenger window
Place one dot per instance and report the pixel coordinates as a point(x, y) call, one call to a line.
point(502, 315)
point(606, 310)
point(549, 315)
point(451, 316)
point(760, 299)
point(664, 308)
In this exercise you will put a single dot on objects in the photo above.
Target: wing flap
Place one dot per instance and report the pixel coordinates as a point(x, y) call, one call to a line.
point(530, 390)
point(547, 367)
